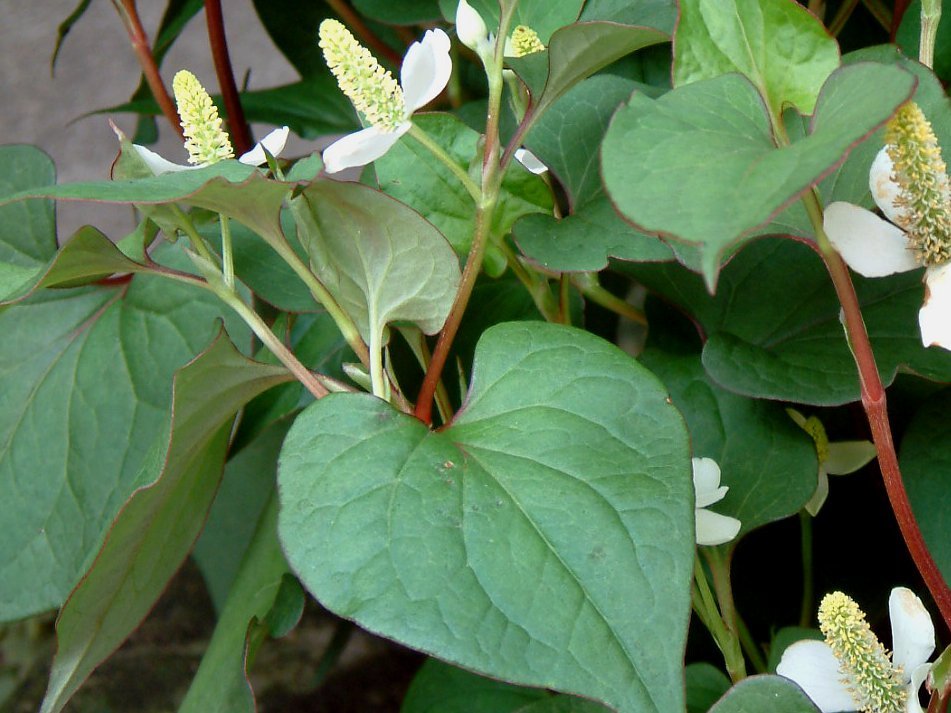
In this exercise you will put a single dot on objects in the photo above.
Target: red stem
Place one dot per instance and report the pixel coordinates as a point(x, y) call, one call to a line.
point(899, 12)
point(876, 410)
point(240, 134)
point(140, 44)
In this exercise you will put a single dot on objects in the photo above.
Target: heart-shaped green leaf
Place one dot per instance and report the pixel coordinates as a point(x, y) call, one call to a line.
point(777, 44)
point(575, 53)
point(27, 229)
point(766, 460)
point(705, 685)
point(157, 526)
point(774, 330)
point(926, 466)
point(86, 378)
point(568, 136)
point(849, 181)
point(544, 537)
point(765, 693)
point(441, 688)
point(659, 14)
point(583, 241)
point(699, 164)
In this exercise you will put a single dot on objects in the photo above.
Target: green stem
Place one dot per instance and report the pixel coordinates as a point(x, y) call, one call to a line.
point(726, 640)
point(227, 251)
point(437, 151)
point(270, 340)
point(880, 11)
point(564, 298)
point(808, 597)
point(345, 324)
point(200, 245)
point(589, 286)
point(841, 17)
point(876, 411)
point(377, 382)
point(753, 652)
point(338, 642)
point(722, 585)
point(536, 285)
point(930, 17)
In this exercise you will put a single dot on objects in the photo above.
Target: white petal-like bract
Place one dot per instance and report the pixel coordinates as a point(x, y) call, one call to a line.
point(912, 629)
point(426, 70)
point(934, 318)
point(360, 148)
point(815, 669)
point(530, 161)
point(884, 189)
point(273, 142)
point(871, 246)
point(160, 164)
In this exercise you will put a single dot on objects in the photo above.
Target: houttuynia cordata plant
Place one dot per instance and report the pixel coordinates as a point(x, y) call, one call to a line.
point(542, 368)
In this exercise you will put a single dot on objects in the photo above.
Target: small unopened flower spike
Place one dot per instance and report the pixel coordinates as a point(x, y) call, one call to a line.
point(372, 89)
point(205, 140)
point(524, 41)
point(921, 175)
point(874, 682)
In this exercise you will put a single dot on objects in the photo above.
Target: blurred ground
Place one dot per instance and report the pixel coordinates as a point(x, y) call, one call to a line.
point(97, 68)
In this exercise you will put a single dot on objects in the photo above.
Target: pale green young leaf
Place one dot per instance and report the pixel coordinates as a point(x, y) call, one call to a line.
point(785, 52)
point(712, 141)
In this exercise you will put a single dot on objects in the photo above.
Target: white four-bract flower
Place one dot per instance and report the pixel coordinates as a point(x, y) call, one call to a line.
point(384, 104)
point(829, 680)
point(712, 528)
point(920, 211)
point(273, 143)
point(205, 140)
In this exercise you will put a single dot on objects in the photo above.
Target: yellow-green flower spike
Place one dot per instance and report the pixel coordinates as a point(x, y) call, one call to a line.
point(873, 681)
point(922, 177)
point(205, 140)
point(525, 41)
point(370, 87)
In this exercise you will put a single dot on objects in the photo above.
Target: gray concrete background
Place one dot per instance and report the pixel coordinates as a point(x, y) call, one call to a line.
point(97, 68)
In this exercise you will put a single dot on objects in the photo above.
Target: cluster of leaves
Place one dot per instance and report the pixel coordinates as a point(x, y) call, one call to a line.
point(544, 535)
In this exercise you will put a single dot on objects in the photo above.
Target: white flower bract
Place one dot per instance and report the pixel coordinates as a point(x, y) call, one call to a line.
point(712, 528)
point(273, 142)
point(875, 248)
point(814, 668)
point(471, 29)
point(424, 74)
